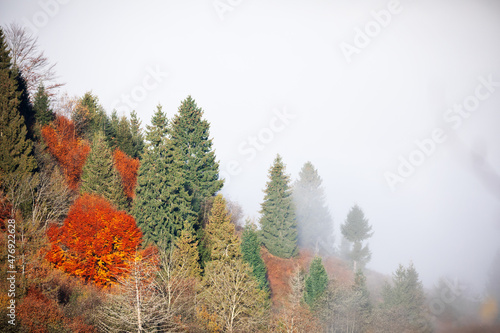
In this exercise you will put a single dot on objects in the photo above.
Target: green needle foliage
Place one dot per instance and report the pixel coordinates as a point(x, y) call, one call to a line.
point(316, 282)
point(250, 248)
point(279, 228)
point(16, 150)
point(43, 113)
point(190, 133)
point(222, 240)
point(356, 230)
point(99, 175)
point(162, 205)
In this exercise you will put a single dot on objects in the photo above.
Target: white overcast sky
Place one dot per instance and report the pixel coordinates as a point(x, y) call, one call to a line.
point(352, 119)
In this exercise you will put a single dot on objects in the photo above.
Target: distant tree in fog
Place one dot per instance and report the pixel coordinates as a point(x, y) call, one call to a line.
point(314, 222)
point(356, 230)
point(403, 308)
point(493, 286)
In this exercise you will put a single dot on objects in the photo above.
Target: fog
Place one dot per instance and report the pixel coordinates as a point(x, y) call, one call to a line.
point(396, 103)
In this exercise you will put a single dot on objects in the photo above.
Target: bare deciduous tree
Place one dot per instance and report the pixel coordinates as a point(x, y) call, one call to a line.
point(32, 63)
point(152, 297)
point(233, 296)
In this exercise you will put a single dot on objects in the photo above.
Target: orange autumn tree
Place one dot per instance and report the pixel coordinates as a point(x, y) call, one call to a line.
point(96, 241)
point(127, 167)
point(69, 151)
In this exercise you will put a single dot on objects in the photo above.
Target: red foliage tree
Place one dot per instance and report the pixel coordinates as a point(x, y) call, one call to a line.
point(127, 167)
point(69, 151)
point(96, 241)
point(38, 313)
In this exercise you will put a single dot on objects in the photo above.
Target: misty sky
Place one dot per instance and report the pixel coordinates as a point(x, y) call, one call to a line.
point(349, 85)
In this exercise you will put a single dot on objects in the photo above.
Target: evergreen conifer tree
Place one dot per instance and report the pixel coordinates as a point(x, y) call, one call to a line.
point(406, 298)
point(162, 205)
point(222, 241)
point(25, 106)
point(363, 303)
point(111, 129)
point(43, 113)
point(190, 133)
point(314, 222)
point(137, 137)
point(316, 282)
point(186, 252)
point(356, 230)
point(99, 175)
point(16, 150)
point(250, 248)
point(124, 136)
point(279, 229)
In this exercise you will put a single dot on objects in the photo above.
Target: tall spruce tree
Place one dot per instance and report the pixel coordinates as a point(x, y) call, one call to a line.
point(16, 150)
point(99, 175)
point(279, 228)
point(250, 249)
point(314, 222)
point(316, 282)
point(406, 298)
point(190, 133)
point(41, 105)
point(111, 129)
point(356, 230)
point(124, 136)
point(363, 303)
point(137, 137)
point(186, 252)
point(222, 241)
point(25, 106)
point(162, 205)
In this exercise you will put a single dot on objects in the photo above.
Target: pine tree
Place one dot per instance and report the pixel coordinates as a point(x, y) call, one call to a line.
point(25, 106)
point(43, 113)
point(314, 222)
point(406, 298)
point(124, 137)
point(356, 230)
point(363, 303)
point(99, 175)
point(279, 229)
point(221, 238)
point(16, 150)
point(231, 295)
point(186, 252)
point(137, 137)
point(111, 129)
point(191, 134)
point(316, 282)
point(89, 116)
point(162, 203)
point(250, 248)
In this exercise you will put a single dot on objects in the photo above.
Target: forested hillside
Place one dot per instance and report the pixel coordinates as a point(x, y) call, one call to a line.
point(109, 226)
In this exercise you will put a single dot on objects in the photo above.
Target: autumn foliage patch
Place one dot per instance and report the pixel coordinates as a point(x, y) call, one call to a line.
point(127, 167)
point(96, 241)
point(69, 151)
